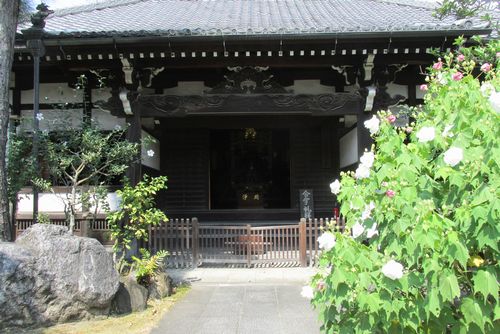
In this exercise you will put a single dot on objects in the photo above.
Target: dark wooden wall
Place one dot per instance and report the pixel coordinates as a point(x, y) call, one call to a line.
point(185, 160)
point(314, 164)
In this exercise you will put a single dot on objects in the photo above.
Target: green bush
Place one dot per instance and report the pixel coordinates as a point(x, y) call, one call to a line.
point(43, 218)
point(420, 254)
point(136, 213)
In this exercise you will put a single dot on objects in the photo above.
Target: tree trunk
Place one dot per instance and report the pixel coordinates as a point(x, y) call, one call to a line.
point(72, 209)
point(8, 23)
point(13, 224)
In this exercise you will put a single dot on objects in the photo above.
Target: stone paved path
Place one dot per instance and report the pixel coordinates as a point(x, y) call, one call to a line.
point(242, 307)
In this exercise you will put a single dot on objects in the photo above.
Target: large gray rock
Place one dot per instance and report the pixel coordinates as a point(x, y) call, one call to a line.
point(160, 286)
point(49, 276)
point(131, 296)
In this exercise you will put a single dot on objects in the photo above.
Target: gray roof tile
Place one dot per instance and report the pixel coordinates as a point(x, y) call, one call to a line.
point(248, 17)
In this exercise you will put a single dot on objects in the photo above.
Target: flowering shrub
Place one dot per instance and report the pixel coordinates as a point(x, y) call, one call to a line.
point(420, 254)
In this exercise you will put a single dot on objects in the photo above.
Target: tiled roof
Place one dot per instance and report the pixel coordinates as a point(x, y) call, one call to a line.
point(248, 17)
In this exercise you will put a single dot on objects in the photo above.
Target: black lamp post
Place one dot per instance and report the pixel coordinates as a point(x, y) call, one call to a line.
point(33, 38)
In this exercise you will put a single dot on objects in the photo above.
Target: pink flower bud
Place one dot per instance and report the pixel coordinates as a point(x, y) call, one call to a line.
point(486, 67)
point(460, 58)
point(409, 129)
point(390, 193)
point(457, 76)
point(498, 54)
point(391, 118)
point(424, 87)
point(438, 65)
point(320, 285)
point(384, 184)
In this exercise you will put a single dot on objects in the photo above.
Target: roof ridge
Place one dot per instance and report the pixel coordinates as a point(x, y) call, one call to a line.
point(102, 4)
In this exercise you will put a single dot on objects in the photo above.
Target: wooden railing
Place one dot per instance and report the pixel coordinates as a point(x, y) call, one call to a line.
point(314, 228)
point(191, 244)
point(84, 225)
point(175, 236)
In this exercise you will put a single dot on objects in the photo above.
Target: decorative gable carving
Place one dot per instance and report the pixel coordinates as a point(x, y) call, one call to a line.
point(248, 80)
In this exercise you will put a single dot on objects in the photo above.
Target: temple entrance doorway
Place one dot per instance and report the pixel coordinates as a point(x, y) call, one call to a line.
point(250, 168)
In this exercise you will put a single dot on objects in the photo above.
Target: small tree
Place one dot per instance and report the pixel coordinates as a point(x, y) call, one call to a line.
point(84, 159)
point(423, 209)
point(136, 213)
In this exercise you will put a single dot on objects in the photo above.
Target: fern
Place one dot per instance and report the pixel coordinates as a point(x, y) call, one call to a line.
point(148, 265)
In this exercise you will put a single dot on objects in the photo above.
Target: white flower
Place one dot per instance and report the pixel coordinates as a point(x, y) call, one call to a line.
point(425, 134)
point(357, 230)
point(487, 88)
point(150, 153)
point(373, 124)
point(362, 172)
point(335, 187)
point(118, 127)
point(367, 211)
point(495, 101)
point(307, 292)
point(446, 131)
point(39, 116)
point(372, 231)
point(367, 159)
point(453, 156)
point(326, 241)
point(393, 270)
point(441, 79)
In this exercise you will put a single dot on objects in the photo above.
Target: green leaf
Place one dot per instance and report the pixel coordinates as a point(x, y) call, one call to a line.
point(488, 236)
point(472, 312)
point(448, 287)
point(433, 304)
point(459, 253)
point(482, 195)
point(456, 179)
point(364, 279)
point(486, 284)
point(370, 301)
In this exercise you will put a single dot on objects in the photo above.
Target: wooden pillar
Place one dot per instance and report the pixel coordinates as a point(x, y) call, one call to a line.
point(134, 171)
point(302, 243)
point(412, 94)
point(336, 147)
point(412, 86)
point(16, 102)
point(134, 135)
point(85, 228)
point(249, 246)
point(195, 241)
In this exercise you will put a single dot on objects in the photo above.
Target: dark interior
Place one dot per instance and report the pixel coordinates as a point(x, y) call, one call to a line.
point(249, 168)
